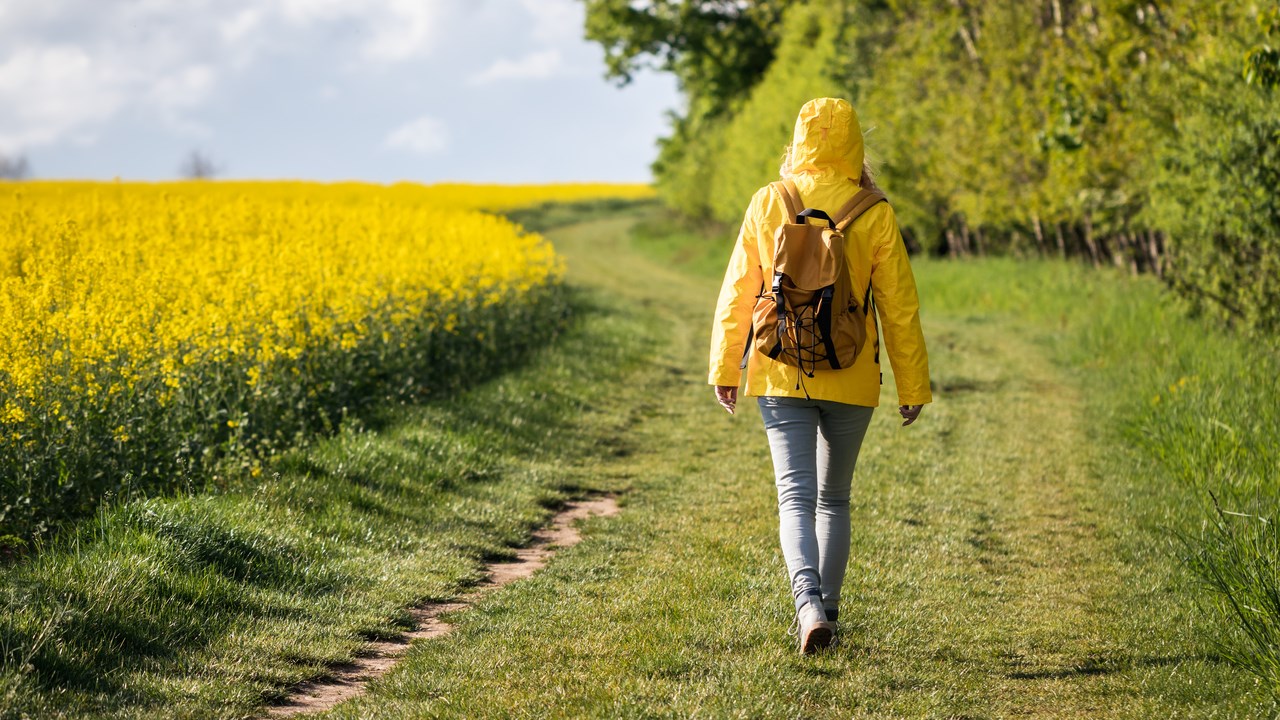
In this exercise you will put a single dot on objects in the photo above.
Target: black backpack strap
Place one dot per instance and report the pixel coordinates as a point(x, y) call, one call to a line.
point(823, 319)
point(869, 305)
point(780, 301)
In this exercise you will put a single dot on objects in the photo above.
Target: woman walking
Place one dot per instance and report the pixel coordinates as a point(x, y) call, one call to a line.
point(815, 419)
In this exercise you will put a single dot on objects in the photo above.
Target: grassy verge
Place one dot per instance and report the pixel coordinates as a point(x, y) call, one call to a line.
point(1188, 415)
point(204, 606)
point(1009, 559)
point(1186, 412)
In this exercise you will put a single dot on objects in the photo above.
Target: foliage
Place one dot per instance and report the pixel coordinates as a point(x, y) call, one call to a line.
point(1262, 64)
point(715, 48)
point(1122, 132)
point(160, 337)
point(805, 61)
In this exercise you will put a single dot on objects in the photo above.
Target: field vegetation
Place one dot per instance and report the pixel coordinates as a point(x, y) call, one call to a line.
point(1021, 551)
point(213, 603)
point(168, 337)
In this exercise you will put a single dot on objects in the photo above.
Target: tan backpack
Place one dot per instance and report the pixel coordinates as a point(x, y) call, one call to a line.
point(809, 317)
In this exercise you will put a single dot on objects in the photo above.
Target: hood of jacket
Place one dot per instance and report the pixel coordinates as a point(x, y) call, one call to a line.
point(827, 140)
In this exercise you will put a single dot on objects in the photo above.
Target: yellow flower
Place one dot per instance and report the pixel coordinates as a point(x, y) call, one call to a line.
point(114, 291)
point(12, 414)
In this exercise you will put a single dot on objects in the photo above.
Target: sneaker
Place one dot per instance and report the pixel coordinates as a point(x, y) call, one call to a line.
point(813, 630)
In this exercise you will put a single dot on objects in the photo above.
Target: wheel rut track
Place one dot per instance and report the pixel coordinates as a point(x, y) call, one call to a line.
point(349, 680)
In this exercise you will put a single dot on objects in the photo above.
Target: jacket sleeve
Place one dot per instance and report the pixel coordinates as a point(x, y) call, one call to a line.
point(742, 283)
point(898, 306)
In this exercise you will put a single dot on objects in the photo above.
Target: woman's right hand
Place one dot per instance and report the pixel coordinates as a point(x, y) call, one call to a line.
point(727, 396)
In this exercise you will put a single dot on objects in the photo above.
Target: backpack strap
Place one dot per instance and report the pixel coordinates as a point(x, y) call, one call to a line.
point(790, 199)
point(864, 200)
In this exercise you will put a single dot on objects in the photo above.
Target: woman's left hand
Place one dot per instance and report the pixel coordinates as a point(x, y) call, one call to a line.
point(909, 413)
point(727, 396)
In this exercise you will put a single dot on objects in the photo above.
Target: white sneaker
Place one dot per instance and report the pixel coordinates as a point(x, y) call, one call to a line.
point(815, 632)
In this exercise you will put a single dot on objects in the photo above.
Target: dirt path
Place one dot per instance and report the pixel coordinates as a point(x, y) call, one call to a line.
point(350, 680)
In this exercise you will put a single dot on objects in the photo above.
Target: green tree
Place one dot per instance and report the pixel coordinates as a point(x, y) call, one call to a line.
point(716, 49)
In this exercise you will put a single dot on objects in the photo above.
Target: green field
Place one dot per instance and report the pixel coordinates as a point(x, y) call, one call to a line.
point(1016, 552)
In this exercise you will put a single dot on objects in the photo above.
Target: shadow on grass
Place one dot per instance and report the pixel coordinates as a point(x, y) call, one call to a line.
point(1106, 666)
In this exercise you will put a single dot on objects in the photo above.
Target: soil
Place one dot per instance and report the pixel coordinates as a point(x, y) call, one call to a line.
point(349, 680)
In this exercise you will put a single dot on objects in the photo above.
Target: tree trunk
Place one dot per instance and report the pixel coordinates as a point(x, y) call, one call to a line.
point(1038, 231)
point(1090, 242)
point(1156, 253)
point(1119, 249)
point(1162, 252)
point(1062, 241)
point(1134, 266)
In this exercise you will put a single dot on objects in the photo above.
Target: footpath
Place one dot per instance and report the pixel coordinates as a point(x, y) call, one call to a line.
point(994, 573)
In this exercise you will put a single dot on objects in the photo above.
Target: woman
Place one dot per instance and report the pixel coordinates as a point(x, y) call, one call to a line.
point(815, 425)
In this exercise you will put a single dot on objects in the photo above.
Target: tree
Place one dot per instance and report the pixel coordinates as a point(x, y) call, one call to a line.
point(717, 49)
point(199, 166)
point(14, 168)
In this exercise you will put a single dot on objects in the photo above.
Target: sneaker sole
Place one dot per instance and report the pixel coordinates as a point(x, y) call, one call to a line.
point(817, 639)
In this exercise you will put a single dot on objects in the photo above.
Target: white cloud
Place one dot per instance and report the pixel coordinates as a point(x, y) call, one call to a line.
point(555, 21)
point(69, 67)
point(534, 66)
point(394, 30)
point(402, 30)
point(424, 136)
point(47, 93)
point(241, 24)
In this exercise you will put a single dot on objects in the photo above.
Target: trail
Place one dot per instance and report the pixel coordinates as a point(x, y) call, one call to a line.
point(994, 572)
point(350, 680)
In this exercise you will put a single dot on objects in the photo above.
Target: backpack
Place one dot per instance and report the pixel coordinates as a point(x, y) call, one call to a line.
point(810, 317)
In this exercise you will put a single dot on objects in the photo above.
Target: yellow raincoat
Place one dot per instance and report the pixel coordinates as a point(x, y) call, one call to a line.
point(826, 165)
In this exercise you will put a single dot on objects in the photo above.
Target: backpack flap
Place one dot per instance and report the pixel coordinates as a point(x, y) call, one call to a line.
point(812, 256)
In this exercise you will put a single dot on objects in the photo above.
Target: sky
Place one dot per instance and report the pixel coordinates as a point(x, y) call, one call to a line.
point(377, 90)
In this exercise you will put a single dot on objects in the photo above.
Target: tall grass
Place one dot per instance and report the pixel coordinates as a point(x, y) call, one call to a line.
point(1180, 399)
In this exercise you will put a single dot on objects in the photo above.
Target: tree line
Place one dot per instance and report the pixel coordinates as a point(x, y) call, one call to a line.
point(1144, 135)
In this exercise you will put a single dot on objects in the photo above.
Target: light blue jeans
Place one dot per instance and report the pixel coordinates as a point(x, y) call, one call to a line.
point(815, 446)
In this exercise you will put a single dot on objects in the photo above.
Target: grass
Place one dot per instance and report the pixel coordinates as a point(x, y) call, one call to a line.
point(1012, 555)
point(208, 605)
point(1185, 411)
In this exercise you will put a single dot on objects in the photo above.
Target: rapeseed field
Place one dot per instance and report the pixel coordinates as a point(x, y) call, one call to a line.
point(165, 336)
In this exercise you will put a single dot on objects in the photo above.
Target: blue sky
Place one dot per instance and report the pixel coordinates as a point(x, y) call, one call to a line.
point(379, 90)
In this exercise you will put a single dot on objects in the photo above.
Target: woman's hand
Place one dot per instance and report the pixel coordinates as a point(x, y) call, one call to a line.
point(909, 413)
point(727, 396)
